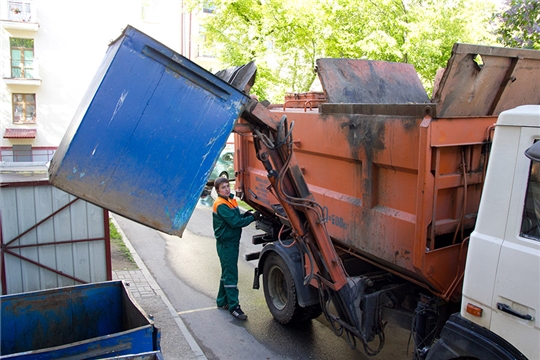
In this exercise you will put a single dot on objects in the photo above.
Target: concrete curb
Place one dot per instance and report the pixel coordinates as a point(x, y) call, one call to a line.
point(152, 282)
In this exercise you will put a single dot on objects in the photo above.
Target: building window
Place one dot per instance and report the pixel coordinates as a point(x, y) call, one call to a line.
point(203, 48)
point(22, 58)
point(22, 153)
point(19, 11)
point(24, 108)
point(208, 8)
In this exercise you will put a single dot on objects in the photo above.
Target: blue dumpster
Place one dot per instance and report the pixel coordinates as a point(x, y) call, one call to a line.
point(144, 140)
point(90, 321)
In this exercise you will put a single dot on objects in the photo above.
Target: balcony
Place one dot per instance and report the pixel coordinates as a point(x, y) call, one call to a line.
point(19, 15)
point(22, 81)
point(25, 81)
point(23, 73)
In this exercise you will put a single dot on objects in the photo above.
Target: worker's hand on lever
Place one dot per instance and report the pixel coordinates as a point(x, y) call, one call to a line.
point(257, 215)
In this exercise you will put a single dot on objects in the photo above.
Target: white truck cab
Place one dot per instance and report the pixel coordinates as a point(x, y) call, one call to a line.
point(501, 289)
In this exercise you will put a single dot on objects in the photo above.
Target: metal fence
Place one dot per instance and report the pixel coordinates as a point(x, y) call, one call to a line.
point(27, 155)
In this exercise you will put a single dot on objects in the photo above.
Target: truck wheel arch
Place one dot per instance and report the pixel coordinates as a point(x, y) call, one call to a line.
point(306, 295)
point(463, 339)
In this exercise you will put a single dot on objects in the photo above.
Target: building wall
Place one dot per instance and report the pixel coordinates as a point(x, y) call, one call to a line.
point(70, 40)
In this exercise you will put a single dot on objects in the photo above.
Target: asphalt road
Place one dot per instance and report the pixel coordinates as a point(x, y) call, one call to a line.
point(187, 270)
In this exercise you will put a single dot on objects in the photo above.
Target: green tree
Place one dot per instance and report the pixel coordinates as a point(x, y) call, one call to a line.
point(285, 38)
point(519, 24)
point(418, 32)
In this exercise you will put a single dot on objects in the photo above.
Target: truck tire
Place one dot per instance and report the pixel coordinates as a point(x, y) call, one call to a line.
point(280, 293)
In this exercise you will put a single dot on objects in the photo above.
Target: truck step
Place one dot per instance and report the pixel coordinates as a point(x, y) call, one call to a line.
point(253, 256)
point(260, 239)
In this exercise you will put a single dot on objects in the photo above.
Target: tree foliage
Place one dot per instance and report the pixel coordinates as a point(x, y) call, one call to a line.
point(519, 24)
point(285, 38)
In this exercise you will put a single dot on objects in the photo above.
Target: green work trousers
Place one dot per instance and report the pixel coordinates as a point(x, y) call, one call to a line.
point(228, 284)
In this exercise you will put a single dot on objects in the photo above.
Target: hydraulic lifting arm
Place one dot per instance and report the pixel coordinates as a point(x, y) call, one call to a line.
point(273, 142)
point(274, 149)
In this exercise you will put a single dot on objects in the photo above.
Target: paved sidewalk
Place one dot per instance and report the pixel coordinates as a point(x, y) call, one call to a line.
point(177, 343)
point(139, 287)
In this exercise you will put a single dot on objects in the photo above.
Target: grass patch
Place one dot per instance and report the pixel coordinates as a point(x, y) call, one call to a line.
point(244, 206)
point(114, 232)
point(116, 239)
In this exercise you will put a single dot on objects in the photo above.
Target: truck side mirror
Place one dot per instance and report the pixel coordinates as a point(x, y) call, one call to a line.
point(533, 152)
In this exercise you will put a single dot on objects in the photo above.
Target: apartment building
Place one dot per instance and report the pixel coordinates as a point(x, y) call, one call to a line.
point(51, 49)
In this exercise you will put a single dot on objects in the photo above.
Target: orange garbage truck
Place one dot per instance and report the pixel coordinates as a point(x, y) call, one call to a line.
point(370, 197)
point(379, 204)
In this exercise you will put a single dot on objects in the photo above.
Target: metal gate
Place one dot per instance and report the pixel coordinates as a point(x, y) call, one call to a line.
point(48, 237)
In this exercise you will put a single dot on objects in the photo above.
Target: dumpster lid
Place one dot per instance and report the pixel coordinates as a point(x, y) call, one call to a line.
point(241, 77)
point(355, 81)
point(486, 80)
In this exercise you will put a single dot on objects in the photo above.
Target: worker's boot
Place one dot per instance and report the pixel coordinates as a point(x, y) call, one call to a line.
point(238, 313)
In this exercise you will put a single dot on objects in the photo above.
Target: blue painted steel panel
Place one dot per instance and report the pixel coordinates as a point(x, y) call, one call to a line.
point(147, 134)
point(84, 321)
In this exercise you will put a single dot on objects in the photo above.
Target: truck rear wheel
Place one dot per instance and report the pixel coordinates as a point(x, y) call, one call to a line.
point(280, 293)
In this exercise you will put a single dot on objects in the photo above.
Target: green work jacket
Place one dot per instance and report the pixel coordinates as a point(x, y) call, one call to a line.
point(228, 221)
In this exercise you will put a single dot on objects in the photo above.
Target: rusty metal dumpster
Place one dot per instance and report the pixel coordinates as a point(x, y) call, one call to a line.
point(147, 134)
point(89, 321)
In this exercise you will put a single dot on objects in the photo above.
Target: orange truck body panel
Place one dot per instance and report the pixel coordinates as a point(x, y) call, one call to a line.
point(383, 195)
point(401, 188)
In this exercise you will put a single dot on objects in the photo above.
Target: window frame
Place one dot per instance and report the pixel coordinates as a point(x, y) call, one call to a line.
point(24, 104)
point(203, 49)
point(27, 72)
point(22, 153)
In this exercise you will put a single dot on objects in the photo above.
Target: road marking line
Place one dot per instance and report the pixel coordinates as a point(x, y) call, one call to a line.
point(196, 310)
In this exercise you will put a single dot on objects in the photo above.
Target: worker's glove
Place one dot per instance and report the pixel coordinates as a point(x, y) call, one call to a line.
point(257, 215)
point(248, 213)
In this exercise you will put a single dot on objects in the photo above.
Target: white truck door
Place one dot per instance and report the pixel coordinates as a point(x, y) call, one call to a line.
point(516, 297)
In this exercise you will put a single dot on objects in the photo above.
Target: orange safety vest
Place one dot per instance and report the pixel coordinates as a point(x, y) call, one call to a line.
point(231, 203)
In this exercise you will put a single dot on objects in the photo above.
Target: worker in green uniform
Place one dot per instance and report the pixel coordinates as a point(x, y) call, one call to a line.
point(228, 223)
